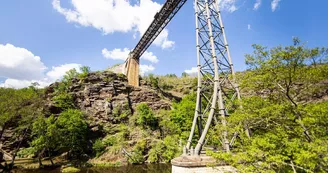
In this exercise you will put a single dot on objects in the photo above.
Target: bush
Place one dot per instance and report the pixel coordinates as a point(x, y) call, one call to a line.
point(145, 116)
point(85, 70)
point(164, 151)
point(156, 151)
point(137, 156)
point(64, 101)
point(98, 147)
point(171, 148)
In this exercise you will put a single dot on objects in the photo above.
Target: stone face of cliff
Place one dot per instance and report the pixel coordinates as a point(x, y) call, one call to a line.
point(104, 95)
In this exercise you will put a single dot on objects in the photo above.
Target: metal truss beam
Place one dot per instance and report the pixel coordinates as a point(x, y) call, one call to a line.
point(161, 19)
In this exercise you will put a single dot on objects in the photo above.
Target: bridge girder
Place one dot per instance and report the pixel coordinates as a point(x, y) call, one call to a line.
point(161, 19)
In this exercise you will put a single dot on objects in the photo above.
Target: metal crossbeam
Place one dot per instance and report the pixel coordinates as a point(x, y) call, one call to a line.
point(161, 19)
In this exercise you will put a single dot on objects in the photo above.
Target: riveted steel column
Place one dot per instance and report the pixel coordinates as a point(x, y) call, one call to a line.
point(197, 114)
point(216, 82)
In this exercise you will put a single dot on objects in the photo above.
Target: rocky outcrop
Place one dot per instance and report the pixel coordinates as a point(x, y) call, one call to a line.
point(103, 96)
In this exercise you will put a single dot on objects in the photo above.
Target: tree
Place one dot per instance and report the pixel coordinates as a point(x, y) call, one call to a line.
point(183, 112)
point(184, 74)
point(46, 137)
point(145, 116)
point(288, 74)
point(289, 130)
point(18, 109)
point(85, 70)
point(72, 129)
point(67, 132)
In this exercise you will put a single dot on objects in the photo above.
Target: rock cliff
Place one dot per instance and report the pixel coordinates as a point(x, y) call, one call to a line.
point(105, 95)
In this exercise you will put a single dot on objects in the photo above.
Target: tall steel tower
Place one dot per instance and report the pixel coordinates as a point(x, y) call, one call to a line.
point(216, 78)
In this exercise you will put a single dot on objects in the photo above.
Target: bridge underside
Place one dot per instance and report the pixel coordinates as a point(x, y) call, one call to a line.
point(161, 19)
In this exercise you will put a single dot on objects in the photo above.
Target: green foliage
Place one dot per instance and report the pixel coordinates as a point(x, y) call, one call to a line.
point(65, 133)
point(70, 75)
point(171, 75)
point(164, 151)
point(46, 135)
point(121, 75)
point(183, 112)
point(98, 147)
point(172, 84)
point(171, 148)
point(153, 80)
point(286, 73)
point(110, 140)
point(64, 101)
point(155, 153)
point(85, 70)
point(167, 126)
point(122, 111)
point(184, 74)
point(26, 152)
point(145, 116)
point(289, 130)
point(73, 129)
point(137, 156)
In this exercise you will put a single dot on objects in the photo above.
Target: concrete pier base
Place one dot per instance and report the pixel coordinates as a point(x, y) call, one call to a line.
point(199, 164)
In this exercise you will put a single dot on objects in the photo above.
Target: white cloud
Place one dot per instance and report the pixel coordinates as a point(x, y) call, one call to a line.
point(111, 16)
point(146, 69)
point(193, 70)
point(21, 68)
point(122, 54)
point(55, 74)
point(149, 56)
point(19, 63)
point(274, 4)
point(249, 27)
point(257, 4)
point(14, 83)
point(228, 5)
point(59, 71)
point(116, 54)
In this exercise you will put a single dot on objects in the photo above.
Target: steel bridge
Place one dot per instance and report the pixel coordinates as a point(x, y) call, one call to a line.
point(216, 89)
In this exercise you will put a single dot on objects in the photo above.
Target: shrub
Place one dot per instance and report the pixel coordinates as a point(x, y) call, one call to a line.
point(64, 101)
point(137, 156)
point(98, 147)
point(145, 116)
point(85, 70)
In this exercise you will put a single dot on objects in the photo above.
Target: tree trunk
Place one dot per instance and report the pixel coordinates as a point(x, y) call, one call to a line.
point(50, 157)
point(298, 116)
point(17, 148)
point(2, 131)
point(52, 162)
point(40, 158)
point(40, 161)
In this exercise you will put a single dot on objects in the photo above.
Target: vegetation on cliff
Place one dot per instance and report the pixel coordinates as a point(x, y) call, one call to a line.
point(97, 117)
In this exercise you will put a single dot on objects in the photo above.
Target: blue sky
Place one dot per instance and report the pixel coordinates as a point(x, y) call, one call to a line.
point(41, 39)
